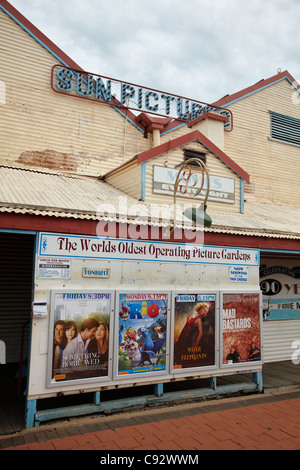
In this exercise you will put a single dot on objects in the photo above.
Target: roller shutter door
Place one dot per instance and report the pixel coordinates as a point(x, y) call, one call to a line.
point(278, 338)
point(16, 255)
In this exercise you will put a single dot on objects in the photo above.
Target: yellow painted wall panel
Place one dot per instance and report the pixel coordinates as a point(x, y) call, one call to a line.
point(274, 167)
point(127, 179)
point(41, 128)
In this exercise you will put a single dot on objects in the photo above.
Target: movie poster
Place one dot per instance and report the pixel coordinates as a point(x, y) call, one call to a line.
point(241, 328)
point(81, 335)
point(194, 331)
point(142, 333)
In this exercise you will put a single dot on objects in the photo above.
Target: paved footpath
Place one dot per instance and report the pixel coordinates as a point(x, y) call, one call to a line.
point(255, 422)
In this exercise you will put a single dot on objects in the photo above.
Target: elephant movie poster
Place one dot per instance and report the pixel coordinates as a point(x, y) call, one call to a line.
point(142, 333)
point(241, 328)
point(194, 331)
point(81, 335)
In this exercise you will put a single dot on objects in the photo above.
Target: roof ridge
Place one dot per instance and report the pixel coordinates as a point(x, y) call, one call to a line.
point(260, 84)
point(187, 138)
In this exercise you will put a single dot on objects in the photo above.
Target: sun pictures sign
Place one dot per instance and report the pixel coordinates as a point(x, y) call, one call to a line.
point(94, 87)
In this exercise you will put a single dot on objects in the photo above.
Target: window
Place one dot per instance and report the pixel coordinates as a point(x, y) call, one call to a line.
point(194, 154)
point(187, 154)
point(285, 128)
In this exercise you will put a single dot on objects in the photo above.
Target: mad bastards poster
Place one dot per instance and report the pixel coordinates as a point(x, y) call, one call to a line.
point(142, 333)
point(80, 335)
point(241, 328)
point(194, 331)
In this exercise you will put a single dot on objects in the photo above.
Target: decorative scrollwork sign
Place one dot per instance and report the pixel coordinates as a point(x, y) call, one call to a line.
point(190, 182)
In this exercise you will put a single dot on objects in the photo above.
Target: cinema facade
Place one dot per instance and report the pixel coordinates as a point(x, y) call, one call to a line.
point(109, 281)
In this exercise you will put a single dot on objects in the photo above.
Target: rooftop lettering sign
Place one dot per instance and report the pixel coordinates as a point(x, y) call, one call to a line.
point(94, 87)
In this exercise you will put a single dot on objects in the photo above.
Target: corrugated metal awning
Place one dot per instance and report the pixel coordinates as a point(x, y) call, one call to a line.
point(25, 191)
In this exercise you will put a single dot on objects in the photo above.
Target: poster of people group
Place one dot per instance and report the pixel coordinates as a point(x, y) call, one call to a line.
point(194, 330)
point(80, 341)
point(241, 328)
point(142, 327)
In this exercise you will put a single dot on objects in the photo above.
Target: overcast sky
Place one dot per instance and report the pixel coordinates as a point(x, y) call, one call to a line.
point(199, 49)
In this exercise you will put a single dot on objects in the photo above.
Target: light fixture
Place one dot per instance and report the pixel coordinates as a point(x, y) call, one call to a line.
point(183, 184)
point(198, 215)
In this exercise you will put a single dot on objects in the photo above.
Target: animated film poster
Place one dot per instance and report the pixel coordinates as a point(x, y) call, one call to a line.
point(194, 331)
point(241, 328)
point(81, 335)
point(142, 333)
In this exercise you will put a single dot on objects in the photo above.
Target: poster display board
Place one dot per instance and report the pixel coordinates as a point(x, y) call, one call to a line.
point(141, 341)
point(80, 341)
point(194, 331)
point(105, 336)
point(241, 328)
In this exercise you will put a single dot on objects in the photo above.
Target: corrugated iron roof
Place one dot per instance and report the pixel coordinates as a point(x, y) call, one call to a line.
point(58, 193)
point(25, 191)
point(262, 218)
